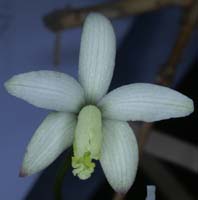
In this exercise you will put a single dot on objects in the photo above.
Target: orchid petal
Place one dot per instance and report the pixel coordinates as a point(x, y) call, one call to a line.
point(145, 102)
point(97, 56)
point(47, 89)
point(52, 137)
point(119, 156)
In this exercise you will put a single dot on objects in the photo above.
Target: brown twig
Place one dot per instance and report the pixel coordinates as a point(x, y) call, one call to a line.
point(143, 135)
point(68, 17)
point(190, 19)
point(117, 196)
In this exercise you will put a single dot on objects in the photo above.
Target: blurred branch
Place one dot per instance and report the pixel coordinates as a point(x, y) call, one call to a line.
point(190, 19)
point(163, 178)
point(70, 17)
point(180, 153)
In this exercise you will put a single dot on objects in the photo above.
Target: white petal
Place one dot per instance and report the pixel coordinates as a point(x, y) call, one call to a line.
point(97, 56)
point(47, 89)
point(119, 156)
point(145, 102)
point(53, 136)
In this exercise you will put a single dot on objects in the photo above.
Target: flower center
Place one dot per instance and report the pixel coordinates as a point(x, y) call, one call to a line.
point(87, 141)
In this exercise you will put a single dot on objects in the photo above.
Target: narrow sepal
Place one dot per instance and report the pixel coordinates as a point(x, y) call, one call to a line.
point(47, 89)
point(145, 102)
point(97, 56)
point(119, 156)
point(53, 136)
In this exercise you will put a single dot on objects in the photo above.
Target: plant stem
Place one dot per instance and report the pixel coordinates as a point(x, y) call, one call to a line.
point(60, 177)
point(61, 19)
point(118, 196)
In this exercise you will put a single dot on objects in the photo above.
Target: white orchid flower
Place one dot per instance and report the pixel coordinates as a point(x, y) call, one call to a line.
point(85, 116)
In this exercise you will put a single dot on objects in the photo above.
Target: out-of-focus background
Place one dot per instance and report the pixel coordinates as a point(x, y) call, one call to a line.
point(149, 40)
